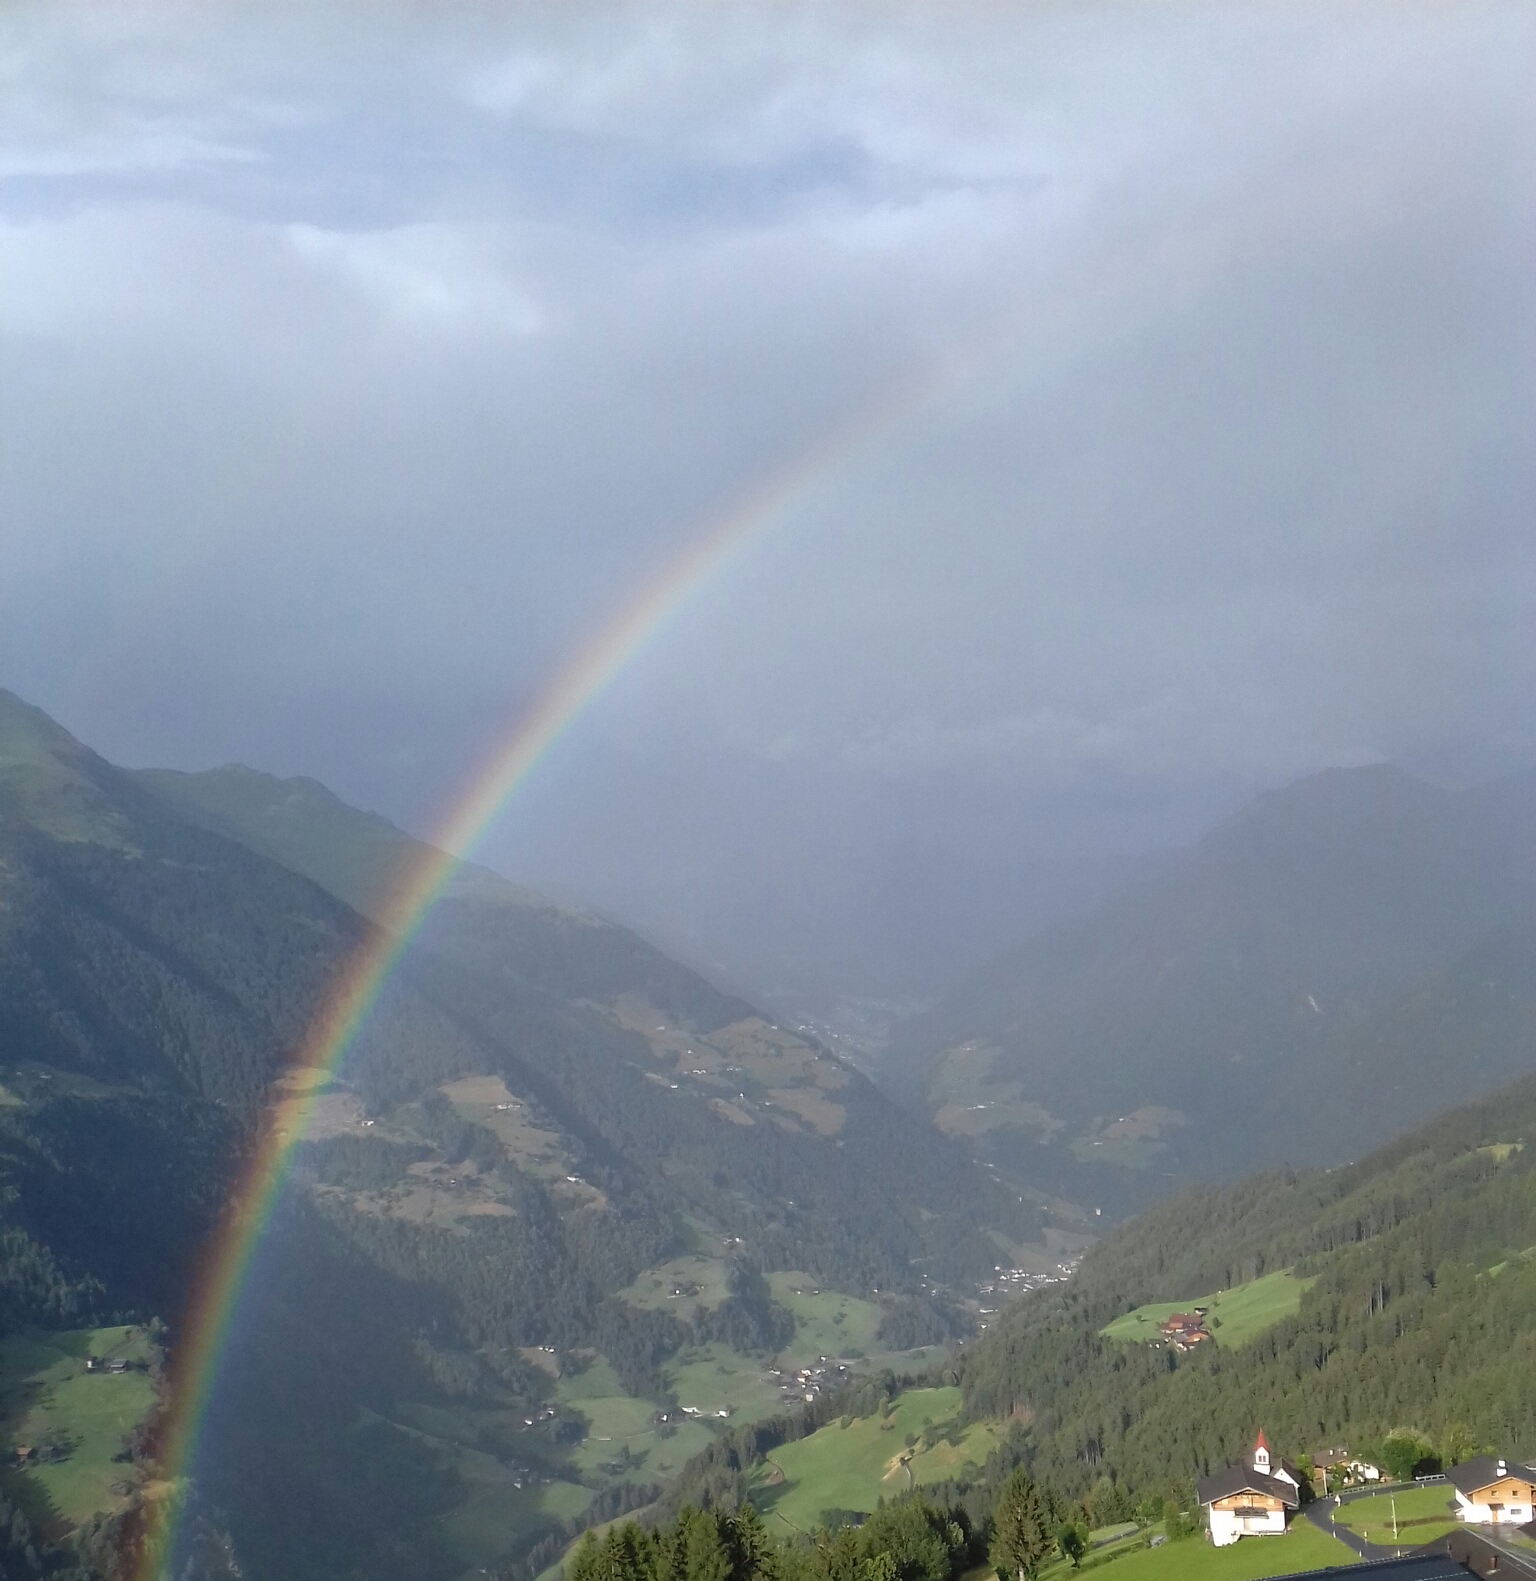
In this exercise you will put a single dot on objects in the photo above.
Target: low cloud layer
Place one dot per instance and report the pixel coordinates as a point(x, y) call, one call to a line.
point(353, 367)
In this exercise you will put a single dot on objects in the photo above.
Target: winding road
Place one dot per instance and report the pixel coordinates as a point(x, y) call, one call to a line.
point(1320, 1513)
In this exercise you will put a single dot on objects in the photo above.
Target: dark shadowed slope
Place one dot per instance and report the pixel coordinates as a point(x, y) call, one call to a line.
point(540, 1109)
point(682, 1081)
point(1287, 991)
point(518, 934)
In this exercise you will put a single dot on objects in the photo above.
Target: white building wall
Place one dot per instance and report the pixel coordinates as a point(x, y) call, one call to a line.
point(1510, 1514)
point(1227, 1526)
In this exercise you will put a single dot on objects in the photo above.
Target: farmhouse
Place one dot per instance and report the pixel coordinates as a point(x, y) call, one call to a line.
point(1254, 1498)
point(1184, 1330)
point(1494, 1492)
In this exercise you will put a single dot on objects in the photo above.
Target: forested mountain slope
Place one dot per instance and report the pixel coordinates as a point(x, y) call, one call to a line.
point(482, 918)
point(540, 1109)
point(652, 1065)
point(1336, 937)
point(1420, 1315)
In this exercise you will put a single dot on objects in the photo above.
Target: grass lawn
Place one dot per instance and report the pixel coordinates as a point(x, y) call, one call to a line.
point(854, 1467)
point(505, 1501)
point(496, 1514)
point(715, 1377)
point(1423, 1514)
point(46, 1395)
point(667, 1456)
point(1193, 1559)
point(702, 1281)
point(616, 1420)
point(921, 1360)
point(827, 1322)
point(595, 1381)
point(1235, 1316)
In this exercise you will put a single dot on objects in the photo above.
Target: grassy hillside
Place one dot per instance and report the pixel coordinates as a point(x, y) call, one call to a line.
point(1233, 1317)
point(857, 1463)
point(1412, 1308)
point(75, 1422)
point(1398, 1293)
point(1293, 990)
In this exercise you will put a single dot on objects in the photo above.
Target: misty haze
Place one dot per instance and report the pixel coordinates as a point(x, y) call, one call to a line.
point(767, 792)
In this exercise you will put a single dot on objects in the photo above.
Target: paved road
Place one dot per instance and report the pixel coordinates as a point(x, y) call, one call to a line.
point(1320, 1513)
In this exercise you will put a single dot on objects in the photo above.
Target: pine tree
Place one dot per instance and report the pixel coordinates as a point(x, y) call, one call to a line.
point(1023, 1535)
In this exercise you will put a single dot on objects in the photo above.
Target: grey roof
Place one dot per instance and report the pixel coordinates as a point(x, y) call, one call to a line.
point(1474, 1474)
point(1276, 1460)
point(1411, 1567)
point(1239, 1479)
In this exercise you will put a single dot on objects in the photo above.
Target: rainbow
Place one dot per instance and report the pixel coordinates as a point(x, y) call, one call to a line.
point(216, 1298)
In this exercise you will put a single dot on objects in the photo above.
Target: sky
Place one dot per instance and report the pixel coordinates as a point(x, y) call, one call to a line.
point(357, 361)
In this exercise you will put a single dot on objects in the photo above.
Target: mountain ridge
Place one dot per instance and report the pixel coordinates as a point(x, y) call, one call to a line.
point(1164, 1033)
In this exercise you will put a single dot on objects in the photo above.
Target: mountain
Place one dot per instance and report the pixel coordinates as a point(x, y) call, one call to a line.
point(518, 967)
point(559, 1183)
point(1289, 990)
point(1399, 1298)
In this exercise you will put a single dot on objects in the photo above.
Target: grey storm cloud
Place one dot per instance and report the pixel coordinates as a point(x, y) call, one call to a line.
point(355, 361)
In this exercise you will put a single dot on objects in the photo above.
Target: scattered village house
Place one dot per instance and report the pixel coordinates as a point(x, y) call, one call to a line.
point(1339, 1466)
point(1493, 1491)
point(1254, 1498)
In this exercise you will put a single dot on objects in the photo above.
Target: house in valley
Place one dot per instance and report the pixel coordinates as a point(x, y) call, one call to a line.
point(1256, 1497)
point(1494, 1492)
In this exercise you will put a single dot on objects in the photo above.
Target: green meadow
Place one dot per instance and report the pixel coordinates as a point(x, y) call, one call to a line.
point(496, 1510)
point(1423, 1514)
point(623, 1443)
point(854, 1467)
point(509, 1497)
point(1233, 1316)
point(48, 1398)
point(1303, 1547)
point(684, 1286)
point(827, 1322)
point(714, 1378)
point(620, 1431)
